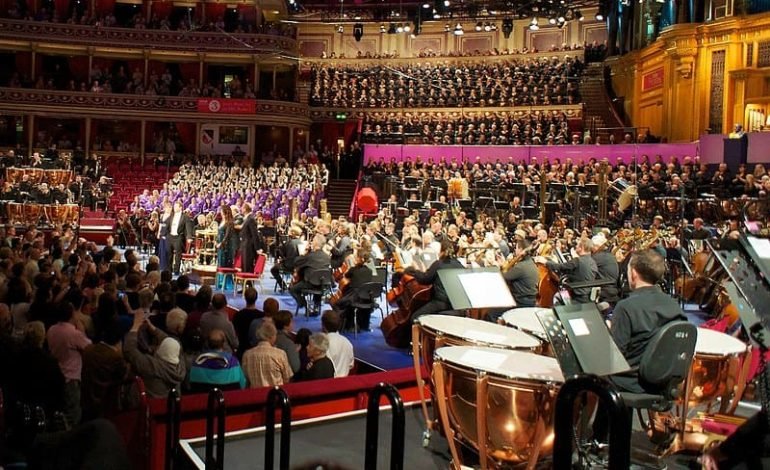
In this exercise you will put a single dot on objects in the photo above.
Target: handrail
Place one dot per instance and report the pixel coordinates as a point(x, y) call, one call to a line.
point(372, 427)
point(277, 394)
point(216, 412)
point(620, 421)
point(353, 213)
point(173, 423)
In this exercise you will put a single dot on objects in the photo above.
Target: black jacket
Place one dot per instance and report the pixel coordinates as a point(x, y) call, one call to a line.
point(522, 281)
point(608, 270)
point(580, 269)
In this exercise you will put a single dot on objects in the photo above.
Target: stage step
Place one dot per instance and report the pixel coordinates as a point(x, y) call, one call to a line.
point(339, 194)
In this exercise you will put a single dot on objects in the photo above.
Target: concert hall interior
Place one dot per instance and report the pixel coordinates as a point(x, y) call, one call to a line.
point(528, 233)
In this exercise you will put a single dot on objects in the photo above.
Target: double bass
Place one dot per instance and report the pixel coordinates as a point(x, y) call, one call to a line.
point(409, 295)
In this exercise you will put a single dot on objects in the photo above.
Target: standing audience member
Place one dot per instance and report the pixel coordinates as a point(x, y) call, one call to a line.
point(217, 319)
point(104, 373)
point(243, 318)
point(67, 343)
point(266, 365)
point(340, 348)
point(161, 369)
point(37, 377)
point(284, 321)
point(216, 367)
point(320, 366)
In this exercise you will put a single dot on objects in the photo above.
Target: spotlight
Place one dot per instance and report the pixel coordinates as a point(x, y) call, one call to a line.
point(459, 30)
point(400, 29)
point(478, 26)
point(600, 13)
point(552, 20)
point(447, 28)
point(407, 28)
point(358, 31)
point(447, 3)
point(488, 27)
point(340, 29)
point(426, 5)
point(382, 28)
point(436, 15)
point(561, 19)
point(533, 25)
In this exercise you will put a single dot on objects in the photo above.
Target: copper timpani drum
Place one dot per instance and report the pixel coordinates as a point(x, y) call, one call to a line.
point(718, 371)
point(73, 214)
point(15, 213)
point(32, 213)
point(56, 214)
point(497, 402)
point(430, 332)
point(525, 319)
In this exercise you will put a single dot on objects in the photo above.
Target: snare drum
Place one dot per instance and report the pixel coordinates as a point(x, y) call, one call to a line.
point(498, 402)
point(716, 371)
point(525, 319)
point(430, 332)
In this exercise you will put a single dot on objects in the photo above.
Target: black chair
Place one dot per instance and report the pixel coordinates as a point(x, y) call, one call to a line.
point(366, 298)
point(664, 366)
point(320, 281)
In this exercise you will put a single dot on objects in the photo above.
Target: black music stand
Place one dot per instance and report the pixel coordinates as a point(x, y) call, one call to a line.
point(466, 205)
point(414, 205)
point(437, 205)
point(529, 212)
point(520, 188)
point(462, 288)
point(440, 186)
point(411, 182)
point(483, 202)
point(501, 205)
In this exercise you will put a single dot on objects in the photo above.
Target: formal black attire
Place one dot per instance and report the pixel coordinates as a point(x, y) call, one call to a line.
point(522, 281)
point(313, 261)
point(608, 271)
point(699, 234)
point(288, 254)
point(249, 237)
point(439, 299)
point(579, 269)
point(177, 238)
point(321, 369)
point(340, 251)
point(357, 276)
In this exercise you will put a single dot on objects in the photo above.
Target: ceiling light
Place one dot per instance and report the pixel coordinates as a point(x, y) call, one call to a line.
point(446, 3)
point(400, 29)
point(552, 20)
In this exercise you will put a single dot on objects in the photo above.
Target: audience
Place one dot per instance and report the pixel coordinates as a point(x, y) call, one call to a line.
point(340, 349)
point(319, 365)
point(243, 319)
point(217, 319)
point(266, 365)
point(216, 367)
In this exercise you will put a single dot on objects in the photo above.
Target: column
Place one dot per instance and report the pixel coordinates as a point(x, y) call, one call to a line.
point(32, 61)
point(275, 74)
point(87, 143)
point(201, 58)
point(307, 140)
point(31, 134)
point(90, 50)
point(290, 157)
point(256, 77)
point(149, 10)
point(197, 138)
point(146, 54)
point(142, 139)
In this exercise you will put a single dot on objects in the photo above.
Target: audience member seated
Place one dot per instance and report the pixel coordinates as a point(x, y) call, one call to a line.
point(498, 128)
point(217, 319)
point(243, 318)
point(284, 323)
point(504, 83)
point(216, 367)
point(340, 348)
point(266, 365)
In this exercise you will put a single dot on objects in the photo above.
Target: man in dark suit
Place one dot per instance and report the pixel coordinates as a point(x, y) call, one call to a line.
point(249, 237)
point(523, 277)
point(315, 260)
point(608, 269)
point(179, 232)
point(581, 268)
point(356, 276)
point(288, 254)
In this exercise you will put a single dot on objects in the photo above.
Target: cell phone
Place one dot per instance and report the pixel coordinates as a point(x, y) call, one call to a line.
point(121, 294)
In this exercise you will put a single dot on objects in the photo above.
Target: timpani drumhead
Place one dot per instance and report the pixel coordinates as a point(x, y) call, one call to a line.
point(718, 344)
point(503, 362)
point(526, 320)
point(478, 332)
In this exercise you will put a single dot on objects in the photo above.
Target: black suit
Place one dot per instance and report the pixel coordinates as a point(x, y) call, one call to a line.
point(289, 254)
point(608, 271)
point(313, 261)
point(439, 299)
point(357, 277)
point(176, 243)
point(249, 237)
point(580, 269)
point(522, 281)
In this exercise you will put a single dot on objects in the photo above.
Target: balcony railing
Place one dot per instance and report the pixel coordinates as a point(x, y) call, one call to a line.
point(145, 38)
point(96, 102)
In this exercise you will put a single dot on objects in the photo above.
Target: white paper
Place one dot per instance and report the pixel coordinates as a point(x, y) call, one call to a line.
point(761, 246)
point(484, 358)
point(579, 327)
point(486, 289)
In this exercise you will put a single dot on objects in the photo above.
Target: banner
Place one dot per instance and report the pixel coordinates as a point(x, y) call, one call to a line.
point(653, 79)
point(227, 106)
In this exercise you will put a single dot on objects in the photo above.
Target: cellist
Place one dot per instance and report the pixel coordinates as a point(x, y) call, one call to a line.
point(355, 277)
point(439, 301)
point(522, 276)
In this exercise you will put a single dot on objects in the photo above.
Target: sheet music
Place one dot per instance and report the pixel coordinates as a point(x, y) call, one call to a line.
point(761, 246)
point(486, 289)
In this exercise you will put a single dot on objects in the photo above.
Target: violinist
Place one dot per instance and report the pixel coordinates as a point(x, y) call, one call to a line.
point(581, 268)
point(439, 302)
point(341, 245)
point(315, 260)
point(522, 276)
point(287, 255)
point(355, 277)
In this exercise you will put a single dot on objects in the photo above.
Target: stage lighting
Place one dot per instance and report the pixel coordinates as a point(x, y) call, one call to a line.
point(358, 31)
point(552, 20)
point(479, 26)
point(488, 27)
point(400, 29)
point(459, 30)
point(340, 29)
point(533, 25)
point(407, 28)
point(382, 28)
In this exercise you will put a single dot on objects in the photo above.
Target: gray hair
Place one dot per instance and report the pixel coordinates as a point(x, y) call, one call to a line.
point(176, 319)
point(320, 341)
point(266, 331)
point(146, 297)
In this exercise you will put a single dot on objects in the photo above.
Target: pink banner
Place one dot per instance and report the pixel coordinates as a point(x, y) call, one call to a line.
point(484, 154)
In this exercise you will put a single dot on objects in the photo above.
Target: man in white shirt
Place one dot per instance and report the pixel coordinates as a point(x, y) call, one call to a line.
point(179, 232)
point(340, 348)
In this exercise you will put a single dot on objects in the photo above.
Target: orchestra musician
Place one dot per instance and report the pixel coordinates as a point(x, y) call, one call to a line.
point(287, 255)
point(581, 268)
point(355, 277)
point(522, 278)
point(608, 269)
point(543, 246)
point(439, 302)
point(316, 259)
point(341, 246)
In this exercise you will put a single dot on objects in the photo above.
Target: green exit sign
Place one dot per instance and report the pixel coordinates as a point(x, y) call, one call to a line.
point(341, 116)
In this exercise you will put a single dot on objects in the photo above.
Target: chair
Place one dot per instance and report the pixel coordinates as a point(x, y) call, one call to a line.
point(252, 277)
point(188, 257)
point(320, 281)
point(223, 274)
point(366, 298)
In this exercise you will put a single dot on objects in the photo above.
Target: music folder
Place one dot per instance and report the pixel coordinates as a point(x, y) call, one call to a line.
point(476, 288)
point(581, 341)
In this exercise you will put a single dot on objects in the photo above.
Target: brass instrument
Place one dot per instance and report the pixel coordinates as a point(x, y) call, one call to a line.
point(602, 195)
point(323, 210)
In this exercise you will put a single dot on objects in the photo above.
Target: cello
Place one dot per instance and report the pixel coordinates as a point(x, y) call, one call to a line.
point(409, 295)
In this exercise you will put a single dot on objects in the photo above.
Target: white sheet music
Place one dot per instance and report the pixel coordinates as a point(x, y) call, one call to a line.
point(761, 246)
point(486, 289)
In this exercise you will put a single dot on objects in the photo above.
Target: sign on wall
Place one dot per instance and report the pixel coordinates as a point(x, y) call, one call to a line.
point(227, 106)
point(652, 79)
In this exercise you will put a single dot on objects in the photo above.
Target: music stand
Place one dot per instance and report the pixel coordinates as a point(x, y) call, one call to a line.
point(411, 182)
point(529, 212)
point(476, 288)
point(414, 205)
point(583, 334)
point(437, 205)
point(483, 202)
point(500, 205)
point(466, 205)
